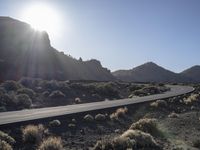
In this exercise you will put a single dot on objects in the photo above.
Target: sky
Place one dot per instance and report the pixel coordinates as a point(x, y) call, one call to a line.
point(123, 34)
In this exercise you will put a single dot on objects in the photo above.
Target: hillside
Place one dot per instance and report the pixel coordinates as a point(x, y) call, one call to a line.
point(149, 72)
point(26, 52)
point(193, 72)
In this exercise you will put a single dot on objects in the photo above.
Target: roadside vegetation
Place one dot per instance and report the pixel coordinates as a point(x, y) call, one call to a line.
point(36, 93)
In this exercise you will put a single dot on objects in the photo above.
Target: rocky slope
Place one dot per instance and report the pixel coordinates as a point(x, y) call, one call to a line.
point(26, 52)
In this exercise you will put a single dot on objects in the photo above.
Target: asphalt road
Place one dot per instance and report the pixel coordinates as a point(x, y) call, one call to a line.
point(33, 114)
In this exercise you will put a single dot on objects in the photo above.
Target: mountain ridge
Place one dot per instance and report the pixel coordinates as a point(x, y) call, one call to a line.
point(26, 52)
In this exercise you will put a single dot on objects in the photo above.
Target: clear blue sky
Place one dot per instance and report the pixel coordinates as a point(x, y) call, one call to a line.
point(125, 33)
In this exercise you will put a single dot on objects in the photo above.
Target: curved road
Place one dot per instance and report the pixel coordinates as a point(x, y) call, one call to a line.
point(33, 114)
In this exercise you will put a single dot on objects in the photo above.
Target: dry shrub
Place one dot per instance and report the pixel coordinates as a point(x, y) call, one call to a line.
point(119, 113)
point(51, 143)
point(173, 115)
point(100, 117)
point(33, 134)
point(191, 99)
point(5, 137)
point(88, 118)
point(5, 146)
point(142, 139)
point(54, 123)
point(159, 104)
point(146, 125)
point(77, 100)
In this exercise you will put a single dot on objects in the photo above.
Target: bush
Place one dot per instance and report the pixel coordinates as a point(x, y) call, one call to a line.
point(159, 104)
point(5, 100)
point(5, 146)
point(5, 137)
point(51, 143)
point(3, 109)
point(77, 100)
point(88, 118)
point(71, 125)
point(142, 139)
point(56, 94)
point(119, 113)
point(11, 85)
point(33, 134)
point(23, 101)
point(45, 93)
point(55, 123)
point(107, 89)
point(192, 98)
point(27, 91)
point(100, 117)
point(145, 125)
point(173, 115)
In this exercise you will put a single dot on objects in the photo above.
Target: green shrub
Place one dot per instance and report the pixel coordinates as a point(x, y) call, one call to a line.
point(45, 93)
point(23, 101)
point(33, 134)
point(55, 123)
point(5, 146)
point(51, 143)
point(7, 138)
point(27, 91)
point(88, 118)
point(3, 109)
point(10, 85)
point(100, 117)
point(56, 94)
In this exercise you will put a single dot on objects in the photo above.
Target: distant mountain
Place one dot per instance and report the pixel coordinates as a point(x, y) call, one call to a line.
point(26, 52)
point(150, 72)
point(193, 73)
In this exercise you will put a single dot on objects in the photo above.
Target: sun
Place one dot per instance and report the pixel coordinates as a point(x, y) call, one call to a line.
point(42, 17)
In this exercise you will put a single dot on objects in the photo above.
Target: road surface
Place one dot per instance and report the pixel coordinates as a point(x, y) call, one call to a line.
point(34, 114)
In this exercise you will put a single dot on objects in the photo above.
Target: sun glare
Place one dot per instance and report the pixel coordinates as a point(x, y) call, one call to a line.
point(43, 18)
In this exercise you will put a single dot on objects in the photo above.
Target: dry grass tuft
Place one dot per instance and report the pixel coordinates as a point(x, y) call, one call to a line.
point(33, 134)
point(5, 146)
point(51, 143)
point(119, 113)
point(5, 137)
point(191, 99)
point(159, 104)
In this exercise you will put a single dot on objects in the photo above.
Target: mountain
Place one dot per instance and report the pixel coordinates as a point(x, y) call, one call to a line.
point(193, 73)
point(150, 72)
point(27, 52)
